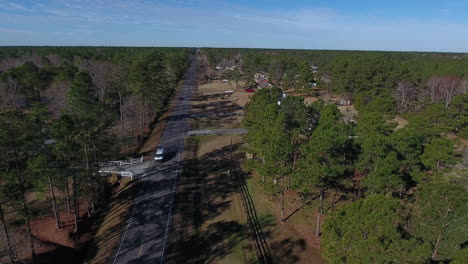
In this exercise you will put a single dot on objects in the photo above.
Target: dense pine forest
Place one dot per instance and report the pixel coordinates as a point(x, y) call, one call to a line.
point(62, 111)
point(382, 193)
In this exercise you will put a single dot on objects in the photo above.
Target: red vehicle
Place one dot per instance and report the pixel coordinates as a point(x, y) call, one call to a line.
point(250, 90)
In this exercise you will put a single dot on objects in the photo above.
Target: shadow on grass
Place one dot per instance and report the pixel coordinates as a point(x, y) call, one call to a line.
point(203, 191)
point(262, 229)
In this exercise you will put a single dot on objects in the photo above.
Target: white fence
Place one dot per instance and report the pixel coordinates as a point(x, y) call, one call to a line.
point(121, 173)
point(113, 163)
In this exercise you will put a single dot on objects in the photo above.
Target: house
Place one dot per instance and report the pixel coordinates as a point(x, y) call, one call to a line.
point(230, 68)
point(344, 101)
point(259, 77)
point(218, 67)
point(264, 84)
point(314, 68)
point(326, 79)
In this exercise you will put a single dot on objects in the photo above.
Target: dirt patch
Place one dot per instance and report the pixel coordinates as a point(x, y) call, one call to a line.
point(400, 121)
point(218, 88)
point(348, 112)
point(463, 142)
point(53, 245)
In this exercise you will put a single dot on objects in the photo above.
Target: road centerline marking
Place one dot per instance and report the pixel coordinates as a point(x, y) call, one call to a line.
point(141, 248)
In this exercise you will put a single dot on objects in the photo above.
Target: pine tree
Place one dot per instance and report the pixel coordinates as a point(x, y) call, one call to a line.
point(367, 231)
point(438, 154)
point(440, 219)
point(19, 146)
point(325, 157)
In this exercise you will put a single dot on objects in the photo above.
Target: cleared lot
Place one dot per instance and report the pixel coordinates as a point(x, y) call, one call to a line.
point(213, 108)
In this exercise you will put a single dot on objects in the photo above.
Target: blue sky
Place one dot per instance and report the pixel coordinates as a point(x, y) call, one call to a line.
point(305, 24)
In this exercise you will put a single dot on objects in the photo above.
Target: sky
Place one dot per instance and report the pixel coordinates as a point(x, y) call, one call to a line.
point(400, 25)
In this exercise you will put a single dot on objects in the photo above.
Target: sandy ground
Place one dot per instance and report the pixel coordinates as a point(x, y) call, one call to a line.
point(401, 122)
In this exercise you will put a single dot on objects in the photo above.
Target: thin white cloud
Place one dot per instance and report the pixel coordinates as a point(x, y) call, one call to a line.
point(221, 24)
point(11, 6)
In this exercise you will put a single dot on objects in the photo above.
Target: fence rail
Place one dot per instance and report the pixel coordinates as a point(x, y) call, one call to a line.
point(118, 163)
point(121, 173)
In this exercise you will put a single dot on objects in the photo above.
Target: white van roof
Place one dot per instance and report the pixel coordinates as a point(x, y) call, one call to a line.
point(159, 151)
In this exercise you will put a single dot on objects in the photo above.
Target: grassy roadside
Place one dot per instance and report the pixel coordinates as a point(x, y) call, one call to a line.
point(292, 241)
point(209, 223)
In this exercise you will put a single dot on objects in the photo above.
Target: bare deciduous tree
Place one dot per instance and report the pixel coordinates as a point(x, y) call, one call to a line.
point(405, 93)
point(118, 81)
point(463, 87)
point(448, 88)
point(56, 96)
point(432, 84)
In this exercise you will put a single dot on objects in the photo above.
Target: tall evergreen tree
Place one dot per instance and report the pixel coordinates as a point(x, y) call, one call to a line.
point(19, 146)
point(367, 231)
point(439, 218)
point(326, 156)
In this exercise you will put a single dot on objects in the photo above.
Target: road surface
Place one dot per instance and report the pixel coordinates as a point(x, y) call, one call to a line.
point(221, 131)
point(144, 239)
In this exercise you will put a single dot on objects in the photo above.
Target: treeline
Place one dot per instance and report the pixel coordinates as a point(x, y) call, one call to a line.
point(401, 201)
point(61, 116)
point(351, 71)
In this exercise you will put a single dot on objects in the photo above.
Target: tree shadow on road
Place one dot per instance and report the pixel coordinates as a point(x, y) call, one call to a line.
point(105, 244)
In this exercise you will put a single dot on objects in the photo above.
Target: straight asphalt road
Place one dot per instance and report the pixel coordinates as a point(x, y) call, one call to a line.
point(144, 239)
point(220, 131)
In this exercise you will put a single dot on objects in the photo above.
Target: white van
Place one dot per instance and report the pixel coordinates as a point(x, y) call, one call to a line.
point(159, 155)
